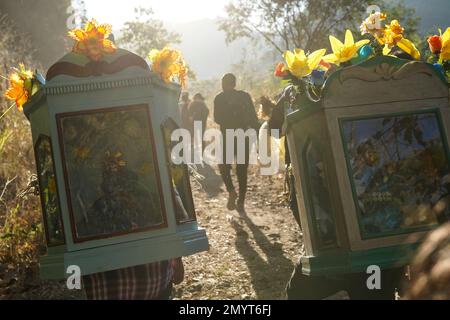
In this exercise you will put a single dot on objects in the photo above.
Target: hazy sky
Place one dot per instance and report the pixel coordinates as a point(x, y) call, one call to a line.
point(116, 12)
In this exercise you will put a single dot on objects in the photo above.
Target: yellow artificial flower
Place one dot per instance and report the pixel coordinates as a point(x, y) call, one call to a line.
point(24, 73)
point(343, 52)
point(409, 47)
point(445, 51)
point(20, 86)
point(301, 65)
point(168, 63)
point(92, 40)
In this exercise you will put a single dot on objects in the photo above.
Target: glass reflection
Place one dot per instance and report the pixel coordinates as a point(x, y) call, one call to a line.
point(184, 204)
point(400, 172)
point(49, 192)
point(111, 172)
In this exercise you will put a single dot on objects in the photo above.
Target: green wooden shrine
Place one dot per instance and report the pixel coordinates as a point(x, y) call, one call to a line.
point(111, 196)
point(372, 165)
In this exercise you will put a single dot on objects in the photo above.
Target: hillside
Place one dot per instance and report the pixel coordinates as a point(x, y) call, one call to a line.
point(205, 48)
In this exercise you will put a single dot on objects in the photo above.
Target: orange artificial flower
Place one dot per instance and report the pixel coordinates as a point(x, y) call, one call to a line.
point(435, 44)
point(17, 91)
point(93, 41)
point(325, 65)
point(281, 71)
point(393, 36)
point(20, 86)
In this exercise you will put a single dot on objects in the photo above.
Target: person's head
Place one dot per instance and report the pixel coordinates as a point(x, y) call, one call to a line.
point(199, 97)
point(430, 269)
point(185, 96)
point(228, 82)
point(266, 107)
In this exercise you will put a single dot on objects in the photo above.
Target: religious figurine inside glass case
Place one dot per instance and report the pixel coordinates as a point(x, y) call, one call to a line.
point(110, 171)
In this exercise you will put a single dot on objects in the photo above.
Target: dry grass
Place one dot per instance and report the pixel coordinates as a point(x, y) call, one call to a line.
point(20, 227)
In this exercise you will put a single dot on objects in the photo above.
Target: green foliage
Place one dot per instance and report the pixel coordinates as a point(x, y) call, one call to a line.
point(254, 79)
point(145, 33)
point(304, 23)
point(44, 23)
point(406, 16)
point(287, 24)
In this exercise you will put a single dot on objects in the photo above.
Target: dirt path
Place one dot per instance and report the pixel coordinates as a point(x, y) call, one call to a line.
point(251, 255)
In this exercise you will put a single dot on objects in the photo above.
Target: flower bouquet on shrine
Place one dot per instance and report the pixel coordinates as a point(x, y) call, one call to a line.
point(307, 72)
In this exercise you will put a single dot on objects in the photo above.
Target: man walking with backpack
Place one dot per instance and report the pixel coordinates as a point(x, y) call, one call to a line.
point(234, 109)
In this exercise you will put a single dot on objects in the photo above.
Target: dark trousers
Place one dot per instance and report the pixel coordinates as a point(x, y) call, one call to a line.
point(241, 169)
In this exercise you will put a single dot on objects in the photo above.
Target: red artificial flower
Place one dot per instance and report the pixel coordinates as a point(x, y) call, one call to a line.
point(325, 64)
point(435, 43)
point(281, 71)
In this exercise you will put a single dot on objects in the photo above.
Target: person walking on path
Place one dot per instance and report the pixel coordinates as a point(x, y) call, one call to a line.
point(234, 109)
point(184, 112)
point(198, 112)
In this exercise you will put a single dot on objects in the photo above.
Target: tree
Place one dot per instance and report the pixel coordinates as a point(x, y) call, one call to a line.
point(145, 33)
point(44, 22)
point(407, 17)
point(286, 24)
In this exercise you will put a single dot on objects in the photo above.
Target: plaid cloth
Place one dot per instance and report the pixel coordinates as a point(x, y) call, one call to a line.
point(147, 282)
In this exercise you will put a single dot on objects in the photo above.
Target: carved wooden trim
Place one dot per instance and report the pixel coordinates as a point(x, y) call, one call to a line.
point(95, 86)
point(385, 71)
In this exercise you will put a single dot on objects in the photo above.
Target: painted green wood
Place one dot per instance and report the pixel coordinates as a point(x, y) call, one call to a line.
point(344, 262)
point(122, 255)
point(301, 126)
point(393, 61)
point(129, 87)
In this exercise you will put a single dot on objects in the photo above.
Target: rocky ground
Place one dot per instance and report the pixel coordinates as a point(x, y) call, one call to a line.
point(251, 255)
